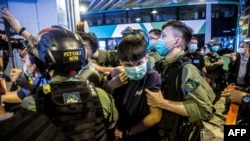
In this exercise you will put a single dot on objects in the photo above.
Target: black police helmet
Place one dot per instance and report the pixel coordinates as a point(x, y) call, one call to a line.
point(91, 37)
point(61, 50)
point(213, 42)
point(129, 30)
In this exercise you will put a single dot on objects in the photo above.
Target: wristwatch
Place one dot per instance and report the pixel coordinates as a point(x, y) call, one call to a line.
point(246, 99)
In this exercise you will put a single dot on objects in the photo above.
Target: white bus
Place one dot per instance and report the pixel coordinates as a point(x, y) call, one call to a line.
point(209, 19)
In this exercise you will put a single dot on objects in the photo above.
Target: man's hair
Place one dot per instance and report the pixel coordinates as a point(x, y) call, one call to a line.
point(39, 64)
point(182, 28)
point(194, 38)
point(156, 31)
point(247, 43)
point(132, 48)
point(138, 32)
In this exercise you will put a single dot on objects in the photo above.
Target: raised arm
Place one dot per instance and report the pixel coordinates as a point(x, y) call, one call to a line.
point(15, 24)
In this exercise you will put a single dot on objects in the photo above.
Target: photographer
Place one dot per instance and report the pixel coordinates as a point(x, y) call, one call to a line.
point(214, 66)
point(34, 70)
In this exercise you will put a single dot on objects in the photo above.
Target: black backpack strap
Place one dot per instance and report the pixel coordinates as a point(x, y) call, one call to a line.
point(158, 66)
point(179, 118)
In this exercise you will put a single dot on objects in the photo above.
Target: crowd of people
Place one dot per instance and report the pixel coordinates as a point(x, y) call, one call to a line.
point(156, 86)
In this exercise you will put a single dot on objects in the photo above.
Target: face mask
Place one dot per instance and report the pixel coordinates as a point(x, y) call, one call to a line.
point(161, 47)
point(25, 71)
point(202, 52)
point(241, 50)
point(215, 48)
point(150, 45)
point(136, 73)
point(193, 47)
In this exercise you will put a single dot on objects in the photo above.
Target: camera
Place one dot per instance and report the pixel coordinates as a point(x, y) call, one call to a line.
point(4, 47)
point(15, 43)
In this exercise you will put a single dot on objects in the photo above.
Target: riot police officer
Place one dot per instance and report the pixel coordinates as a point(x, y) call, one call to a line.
point(194, 56)
point(214, 66)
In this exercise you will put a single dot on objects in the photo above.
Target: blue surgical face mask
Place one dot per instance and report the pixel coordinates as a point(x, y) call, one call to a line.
point(214, 48)
point(25, 71)
point(150, 45)
point(193, 47)
point(161, 47)
point(136, 73)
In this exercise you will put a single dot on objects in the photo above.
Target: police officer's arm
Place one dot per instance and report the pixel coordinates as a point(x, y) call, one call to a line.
point(198, 94)
point(102, 69)
point(150, 120)
point(203, 68)
point(109, 109)
point(155, 99)
point(209, 65)
point(112, 59)
point(232, 56)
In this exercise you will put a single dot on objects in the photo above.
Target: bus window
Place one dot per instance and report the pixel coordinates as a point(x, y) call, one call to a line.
point(223, 11)
point(115, 17)
point(164, 14)
point(222, 21)
point(192, 12)
point(95, 19)
point(137, 16)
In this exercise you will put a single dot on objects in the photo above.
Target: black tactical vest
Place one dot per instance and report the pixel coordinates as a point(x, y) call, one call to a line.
point(75, 108)
point(171, 88)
